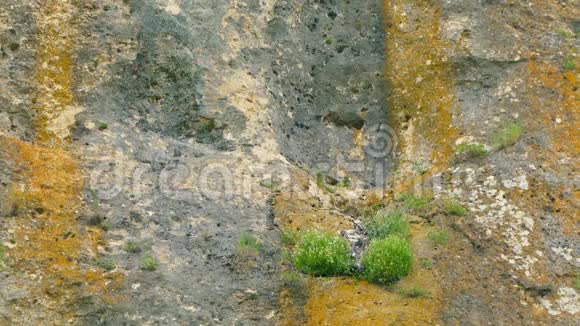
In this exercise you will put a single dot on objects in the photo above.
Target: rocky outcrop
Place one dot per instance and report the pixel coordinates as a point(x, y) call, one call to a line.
point(142, 139)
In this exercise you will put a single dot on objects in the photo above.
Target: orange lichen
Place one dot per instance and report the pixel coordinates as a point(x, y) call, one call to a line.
point(50, 243)
point(420, 81)
point(295, 212)
point(54, 68)
point(557, 114)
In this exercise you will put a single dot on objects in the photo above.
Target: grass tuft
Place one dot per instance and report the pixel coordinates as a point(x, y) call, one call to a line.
point(346, 182)
point(569, 63)
point(438, 237)
point(132, 247)
point(413, 202)
point(149, 263)
point(452, 207)
point(249, 245)
point(290, 238)
point(473, 150)
point(323, 254)
point(387, 260)
point(426, 264)
point(384, 224)
point(3, 258)
point(104, 264)
point(413, 292)
point(507, 135)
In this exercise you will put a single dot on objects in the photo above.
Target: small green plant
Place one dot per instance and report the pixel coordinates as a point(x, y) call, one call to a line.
point(564, 33)
point(452, 207)
point(330, 189)
point(413, 292)
point(577, 282)
point(104, 264)
point(473, 150)
point(3, 258)
point(249, 245)
point(420, 167)
point(106, 226)
point(384, 224)
point(323, 254)
point(507, 135)
point(320, 179)
point(569, 63)
point(291, 279)
point(426, 263)
point(387, 260)
point(267, 184)
point(132, 247)
point(413, 202)
point(329, 40)
point(103, 126)
point(438, 237)
point(149, 263)
point(346, 182)
point(290, 238)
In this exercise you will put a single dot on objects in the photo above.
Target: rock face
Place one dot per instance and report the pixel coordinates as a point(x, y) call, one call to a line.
point(141, 140)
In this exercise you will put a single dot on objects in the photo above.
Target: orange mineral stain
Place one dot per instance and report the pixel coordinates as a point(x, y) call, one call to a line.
point(51, 246)
point(420, 82)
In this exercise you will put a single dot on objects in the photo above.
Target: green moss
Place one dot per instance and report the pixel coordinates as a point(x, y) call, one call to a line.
point(438, 237)
point(149, 263)
point(384, 224)
point(104, 264)
point(329, 40)
point(103, 126)
point(387, 260)
point(323, 254)
point(471, 150)
point(507, 135)
point(452, 207)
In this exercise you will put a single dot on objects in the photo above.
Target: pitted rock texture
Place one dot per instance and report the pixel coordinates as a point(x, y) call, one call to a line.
point(184, 125)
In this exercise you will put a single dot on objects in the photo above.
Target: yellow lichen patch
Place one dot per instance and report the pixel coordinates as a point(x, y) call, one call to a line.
point(54, 102)
point(291, 313)
point(557, 114)
point(50, 245)
point(420, 81)
point(49, 241)
point(295, 212)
